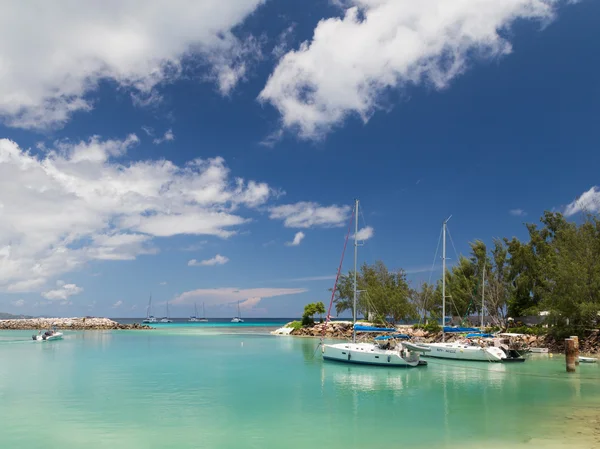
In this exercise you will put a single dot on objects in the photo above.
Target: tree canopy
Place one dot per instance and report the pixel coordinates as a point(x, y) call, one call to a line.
point(557, 270)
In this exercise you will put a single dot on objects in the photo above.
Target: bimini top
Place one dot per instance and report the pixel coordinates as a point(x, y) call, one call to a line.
point(361, 328)
point(479, 334)
point(449, 329)
point(390, 337)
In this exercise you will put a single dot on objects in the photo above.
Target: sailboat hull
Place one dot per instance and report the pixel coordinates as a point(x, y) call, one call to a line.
point(457, 351)
point(369, 354)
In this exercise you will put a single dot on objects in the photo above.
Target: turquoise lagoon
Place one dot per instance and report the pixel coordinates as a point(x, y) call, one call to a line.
point(219, 386)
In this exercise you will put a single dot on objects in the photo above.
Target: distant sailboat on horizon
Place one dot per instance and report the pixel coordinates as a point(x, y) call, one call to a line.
point(149, 317)
point(238, 318)
point(195, 318)
point(167, 319)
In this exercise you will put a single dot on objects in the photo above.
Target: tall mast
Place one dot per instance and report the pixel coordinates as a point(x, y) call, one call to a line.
point(355, 274)
point(444, 278)
point(483, 295)
point(444, 282)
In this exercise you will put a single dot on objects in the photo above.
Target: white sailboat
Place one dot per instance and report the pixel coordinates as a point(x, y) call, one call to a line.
point(238, 318)
point(149, 317)
point(386, 352)
point(457, 350)
point(195, 318)
point(167, 319)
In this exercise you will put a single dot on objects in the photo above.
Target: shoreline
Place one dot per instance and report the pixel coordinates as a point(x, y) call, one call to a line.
point(342, 330)
point(75, 323)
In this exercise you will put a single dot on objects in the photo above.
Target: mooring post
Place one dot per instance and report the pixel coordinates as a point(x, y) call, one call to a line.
point(570, 354)
point(576, 340)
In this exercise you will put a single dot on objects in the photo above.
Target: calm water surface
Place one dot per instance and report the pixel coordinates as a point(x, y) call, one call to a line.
point(209, 386)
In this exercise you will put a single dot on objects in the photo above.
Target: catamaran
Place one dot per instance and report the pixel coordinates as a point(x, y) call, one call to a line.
point(167, 319)
point(195, 317)
point(238, 318)
point(386, 351)
point(149, 317)
point(458, 350)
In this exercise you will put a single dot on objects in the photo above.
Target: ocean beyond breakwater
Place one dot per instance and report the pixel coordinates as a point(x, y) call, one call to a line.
point(86, 323)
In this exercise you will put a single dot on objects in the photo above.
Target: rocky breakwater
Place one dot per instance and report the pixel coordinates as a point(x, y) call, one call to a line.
point(343, 330)
point(68, 323)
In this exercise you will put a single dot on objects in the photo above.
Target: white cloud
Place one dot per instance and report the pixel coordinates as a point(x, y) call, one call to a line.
point(117, 304)
point(517, 212)
point(226, 295)
point(217, 260)
point(365, 233)
point(167, 137)
point(62, 292)
point(18, 303)
point(163, 283)
point(378, 45)
point(588, 202)
point(75, 202)
point(308, 215)
point(297, 239)
point(137, 44)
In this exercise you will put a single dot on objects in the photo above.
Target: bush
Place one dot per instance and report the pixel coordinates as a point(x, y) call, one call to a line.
point(431, 327)
point(307, 320)
point(529, 330)
point(294, 325)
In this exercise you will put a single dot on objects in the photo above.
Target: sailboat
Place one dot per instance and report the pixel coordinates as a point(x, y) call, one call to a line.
point(458, 350)
point(238, 318)
point(167, 319)
point(386, 351)
point(195, 317)
point(149, 317)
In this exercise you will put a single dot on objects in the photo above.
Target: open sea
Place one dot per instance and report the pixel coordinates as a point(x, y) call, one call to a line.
point(223, 385)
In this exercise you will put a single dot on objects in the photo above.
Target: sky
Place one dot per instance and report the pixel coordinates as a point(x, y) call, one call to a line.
point(211, 151)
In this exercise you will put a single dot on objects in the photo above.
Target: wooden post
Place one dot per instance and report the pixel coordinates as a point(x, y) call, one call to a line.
point(576, 340)
point(570, 354)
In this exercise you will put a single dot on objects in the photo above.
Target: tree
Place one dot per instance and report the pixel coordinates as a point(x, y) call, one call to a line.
point(424, 301)
point(310, 310)
point(383, 294)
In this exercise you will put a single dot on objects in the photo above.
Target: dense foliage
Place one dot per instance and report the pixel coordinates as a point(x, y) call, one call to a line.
point(310, 310)
point(556, 272)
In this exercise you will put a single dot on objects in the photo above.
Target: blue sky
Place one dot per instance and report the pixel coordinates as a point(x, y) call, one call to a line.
point(484, 110)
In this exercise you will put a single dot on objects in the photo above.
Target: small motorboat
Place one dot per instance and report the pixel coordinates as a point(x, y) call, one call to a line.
point(49, 335)
point(538, 350)
point(583, 359)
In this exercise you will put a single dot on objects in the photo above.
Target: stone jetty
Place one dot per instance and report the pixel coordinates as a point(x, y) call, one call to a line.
point(343, 330)
point(87, 323)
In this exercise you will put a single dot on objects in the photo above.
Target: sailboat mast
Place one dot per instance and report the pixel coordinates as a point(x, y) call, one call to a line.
point(483, 295)
point(444, 281)
point(355, 274)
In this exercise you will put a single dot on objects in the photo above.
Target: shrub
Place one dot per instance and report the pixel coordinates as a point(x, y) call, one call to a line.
point(431, 327)
point(295, 325)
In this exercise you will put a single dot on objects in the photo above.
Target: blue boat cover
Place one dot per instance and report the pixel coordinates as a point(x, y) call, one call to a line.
point(361, 328)
point(387, 337)
point(479, 334)
point(449, 329)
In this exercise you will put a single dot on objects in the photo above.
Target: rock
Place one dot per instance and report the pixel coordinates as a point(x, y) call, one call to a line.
point(86, 323)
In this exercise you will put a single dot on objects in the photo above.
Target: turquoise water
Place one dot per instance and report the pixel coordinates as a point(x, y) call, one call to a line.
point(232, 387)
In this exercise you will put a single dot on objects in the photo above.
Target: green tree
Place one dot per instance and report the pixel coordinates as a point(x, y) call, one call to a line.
point(310, 310)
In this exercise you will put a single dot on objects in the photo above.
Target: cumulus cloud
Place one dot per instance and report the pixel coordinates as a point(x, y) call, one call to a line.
point(378, 45)
point(167, 137)
point(365, 233)
point(517, 212)
point(227, 295)
point(62, 292)
point(297, 239)
point(117, 304)
point(137, 44)
point(588, 202)
point(217, 260)
point(75, 202)
point(307, 215)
